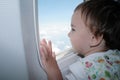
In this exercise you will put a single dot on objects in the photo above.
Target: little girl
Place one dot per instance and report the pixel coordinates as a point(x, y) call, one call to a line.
point(95, 28)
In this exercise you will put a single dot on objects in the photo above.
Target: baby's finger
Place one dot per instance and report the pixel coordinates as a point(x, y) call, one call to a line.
point(45, 53)
point(53, 55)
point(44, 41)
point(42, 55)
point(50, 47)
point(45, 47)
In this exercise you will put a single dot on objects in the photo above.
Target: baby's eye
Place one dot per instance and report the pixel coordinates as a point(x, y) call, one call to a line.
point(72, 29)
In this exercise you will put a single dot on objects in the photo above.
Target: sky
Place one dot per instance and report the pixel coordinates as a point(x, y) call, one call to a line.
point(55, 20)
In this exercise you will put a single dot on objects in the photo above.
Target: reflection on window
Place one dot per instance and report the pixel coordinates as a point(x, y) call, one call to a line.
point(55, 20)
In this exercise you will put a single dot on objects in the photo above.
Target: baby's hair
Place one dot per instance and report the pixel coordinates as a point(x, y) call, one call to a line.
point(103, 18)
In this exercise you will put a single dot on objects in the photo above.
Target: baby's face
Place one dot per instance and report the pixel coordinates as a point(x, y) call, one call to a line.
point(80, 35)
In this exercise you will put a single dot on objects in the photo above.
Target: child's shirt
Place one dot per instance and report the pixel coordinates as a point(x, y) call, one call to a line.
point(97, 66)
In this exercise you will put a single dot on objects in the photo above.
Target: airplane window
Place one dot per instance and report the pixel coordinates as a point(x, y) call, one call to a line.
point(54, 22)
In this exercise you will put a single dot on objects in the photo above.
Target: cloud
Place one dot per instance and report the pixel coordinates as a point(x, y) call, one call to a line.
point(57, 33)
point(55, 48)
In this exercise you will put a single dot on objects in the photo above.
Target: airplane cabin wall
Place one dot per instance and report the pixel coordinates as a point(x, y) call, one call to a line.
point(18, 41)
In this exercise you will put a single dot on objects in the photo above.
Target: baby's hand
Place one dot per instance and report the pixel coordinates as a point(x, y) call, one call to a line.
point(48, 60)
point(47, 55)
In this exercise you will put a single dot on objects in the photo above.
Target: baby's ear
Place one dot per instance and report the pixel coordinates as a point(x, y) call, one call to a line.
point(96, 40)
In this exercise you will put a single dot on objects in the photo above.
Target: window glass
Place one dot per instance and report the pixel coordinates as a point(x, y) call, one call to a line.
point(55, 21)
